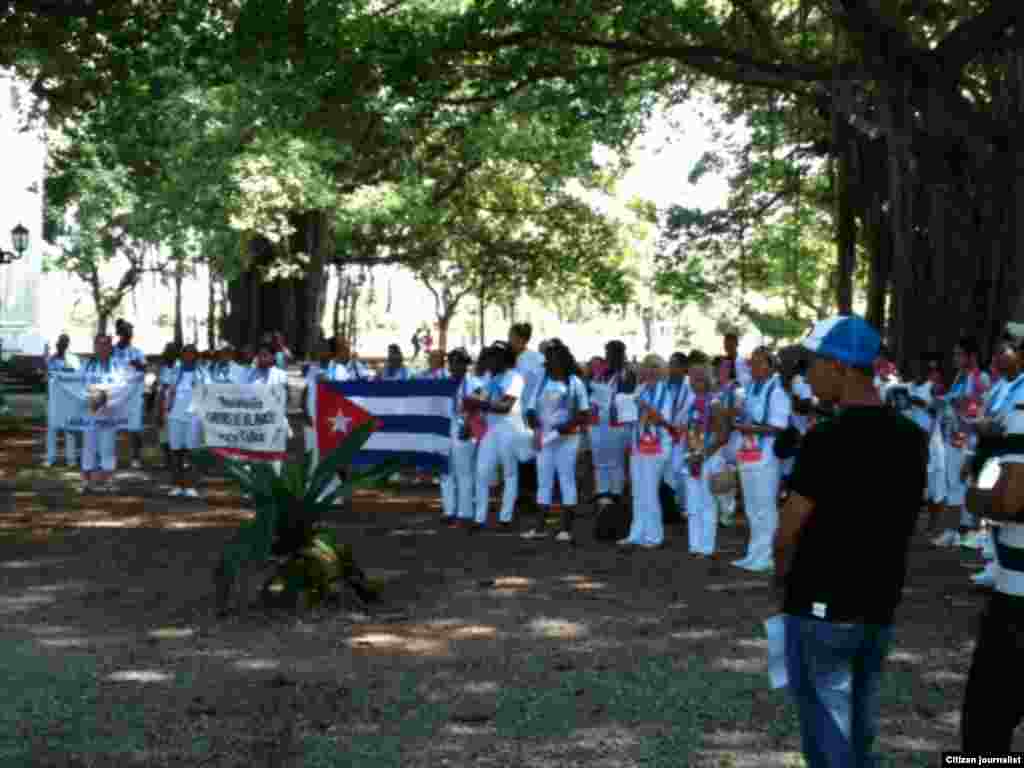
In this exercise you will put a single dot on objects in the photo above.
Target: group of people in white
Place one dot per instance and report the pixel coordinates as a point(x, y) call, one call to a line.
point(705, 431)
point(977, 404)
point(714, 431)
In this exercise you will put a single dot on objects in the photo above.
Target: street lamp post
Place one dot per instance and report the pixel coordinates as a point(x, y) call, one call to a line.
point(19, 237)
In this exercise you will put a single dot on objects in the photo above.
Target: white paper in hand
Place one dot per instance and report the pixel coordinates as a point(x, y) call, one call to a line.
point(626, 410)
point(775, 627)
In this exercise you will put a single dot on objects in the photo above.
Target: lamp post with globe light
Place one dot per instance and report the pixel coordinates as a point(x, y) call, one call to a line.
point(19, 237)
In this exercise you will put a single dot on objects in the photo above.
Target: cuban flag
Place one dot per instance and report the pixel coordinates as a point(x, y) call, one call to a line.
point(412, 419)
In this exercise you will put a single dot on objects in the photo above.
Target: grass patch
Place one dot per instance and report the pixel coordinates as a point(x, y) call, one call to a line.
point(52, 708)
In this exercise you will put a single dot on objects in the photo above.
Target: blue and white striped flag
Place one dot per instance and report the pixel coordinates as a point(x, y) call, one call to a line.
point(413, 418)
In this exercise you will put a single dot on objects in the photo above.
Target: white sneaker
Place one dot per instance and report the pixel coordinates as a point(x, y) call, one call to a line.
point(47, 464)
point(948, 538)
point(624, 543)
point(136, 464)
point(985, 578)
point(191, 493)
point(564, 536)
point(533, 533)
point(176, 492)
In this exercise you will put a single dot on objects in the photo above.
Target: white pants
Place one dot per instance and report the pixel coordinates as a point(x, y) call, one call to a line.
point(498, 448)
point(956, 489)
point(183, 434)
point(70, 445)
point(608, 448)
point(760, 483)
point(558, 456)
point(458, 486)
point(645, 474)
point(99, 450)
point(936, 492)
point(702, 523)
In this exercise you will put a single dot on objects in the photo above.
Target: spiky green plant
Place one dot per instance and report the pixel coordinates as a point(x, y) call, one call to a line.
point(289, 506)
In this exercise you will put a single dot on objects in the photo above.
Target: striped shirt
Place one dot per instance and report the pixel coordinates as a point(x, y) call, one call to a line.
point(1008, 538)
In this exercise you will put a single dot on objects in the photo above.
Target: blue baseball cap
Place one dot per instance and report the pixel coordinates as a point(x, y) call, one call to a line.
point(847, 338)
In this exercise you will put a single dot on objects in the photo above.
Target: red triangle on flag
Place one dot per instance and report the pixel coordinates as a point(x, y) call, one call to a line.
point(336, 418)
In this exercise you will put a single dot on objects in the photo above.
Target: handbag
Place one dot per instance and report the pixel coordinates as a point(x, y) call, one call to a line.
point(724, 482)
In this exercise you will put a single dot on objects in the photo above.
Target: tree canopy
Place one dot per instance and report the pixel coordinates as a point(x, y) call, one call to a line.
point(333, 131)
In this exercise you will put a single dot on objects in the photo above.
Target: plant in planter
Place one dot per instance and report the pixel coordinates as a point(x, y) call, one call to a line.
point(307, 563)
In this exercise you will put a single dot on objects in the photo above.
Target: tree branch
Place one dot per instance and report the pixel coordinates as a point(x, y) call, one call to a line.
point(980, 33)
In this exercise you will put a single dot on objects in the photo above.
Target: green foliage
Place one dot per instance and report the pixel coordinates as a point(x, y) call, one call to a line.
point(289, 507)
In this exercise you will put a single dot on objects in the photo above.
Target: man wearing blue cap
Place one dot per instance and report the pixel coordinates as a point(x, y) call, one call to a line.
point(857, 473)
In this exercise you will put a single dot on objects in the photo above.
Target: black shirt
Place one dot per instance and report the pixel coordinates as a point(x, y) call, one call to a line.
point(865, 472)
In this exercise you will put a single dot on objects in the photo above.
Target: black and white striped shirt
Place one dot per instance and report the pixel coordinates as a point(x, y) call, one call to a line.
point(1008, 538)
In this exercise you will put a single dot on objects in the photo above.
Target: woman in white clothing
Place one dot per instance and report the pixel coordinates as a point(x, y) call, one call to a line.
point(961, 408)
point(164, 380)
point(702, 441)
point(679, 393)
point(651, 448)
point(609, 440)
point(766, 411)
point(458, 486)
point(559, 411)
point(183, 424)
point(266, 373)
point(60, 362)
point(108, 391)
point(729, 394)
point(505, 430)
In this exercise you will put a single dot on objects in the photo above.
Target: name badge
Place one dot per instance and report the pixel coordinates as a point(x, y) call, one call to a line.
point(477, 426)
point(750, 451)
point(648, 445)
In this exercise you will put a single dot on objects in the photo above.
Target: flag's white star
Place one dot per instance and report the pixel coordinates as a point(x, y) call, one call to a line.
point(341, 423)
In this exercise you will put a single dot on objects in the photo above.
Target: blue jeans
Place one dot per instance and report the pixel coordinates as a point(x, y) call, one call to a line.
point(835, 672)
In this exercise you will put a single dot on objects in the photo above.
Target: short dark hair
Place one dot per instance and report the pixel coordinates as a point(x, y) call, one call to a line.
point(561, 355)
point(968, 344)
point(502, 354)
point(680, 357)
point(523, 330)
point(265, 345)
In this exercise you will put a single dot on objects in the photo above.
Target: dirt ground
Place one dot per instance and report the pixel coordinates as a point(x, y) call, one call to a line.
point(485, 651)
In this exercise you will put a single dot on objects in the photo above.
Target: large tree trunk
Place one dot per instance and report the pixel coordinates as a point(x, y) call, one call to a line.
point(846, 225)
point(482, 314)
point(336, 319)
point(211, 313)
point(293, 306)
point(443, 321)
point(179, 323)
